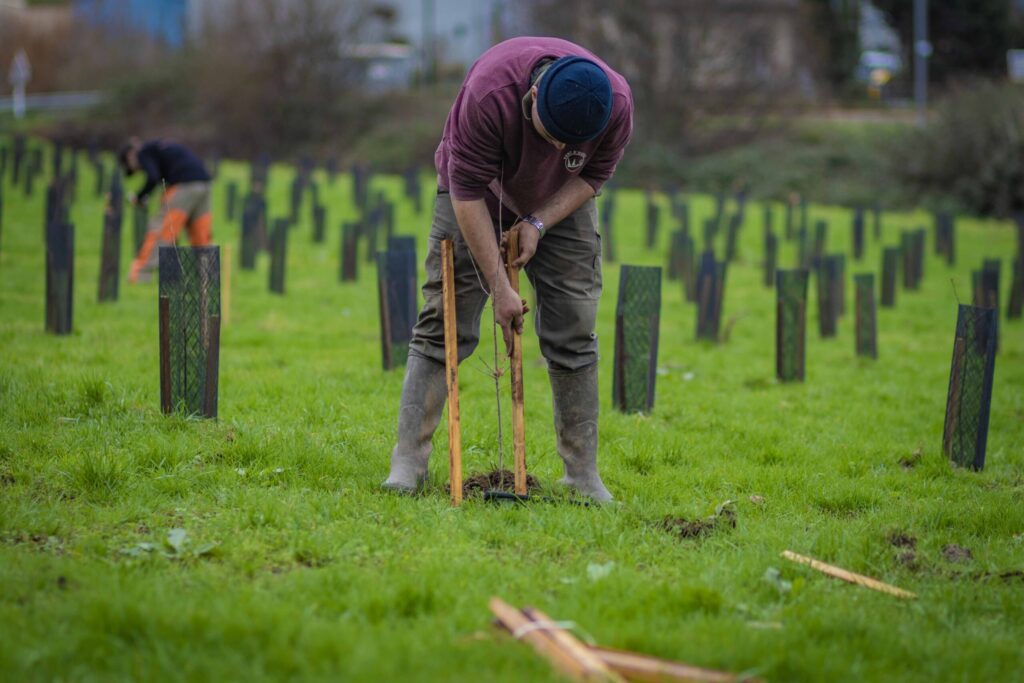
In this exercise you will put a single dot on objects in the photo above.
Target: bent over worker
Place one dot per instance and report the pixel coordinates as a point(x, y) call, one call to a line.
point(185, 203)
point(537, 128)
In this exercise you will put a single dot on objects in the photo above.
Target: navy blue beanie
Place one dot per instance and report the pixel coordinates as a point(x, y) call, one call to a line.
point(574, 100)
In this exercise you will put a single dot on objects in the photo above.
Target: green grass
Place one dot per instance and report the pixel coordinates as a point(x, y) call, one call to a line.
point(316, 574)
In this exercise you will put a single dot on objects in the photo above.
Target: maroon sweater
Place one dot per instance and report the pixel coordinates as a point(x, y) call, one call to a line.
point(489, 147)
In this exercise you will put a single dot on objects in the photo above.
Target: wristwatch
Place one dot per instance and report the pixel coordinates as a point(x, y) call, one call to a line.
point(535, 222)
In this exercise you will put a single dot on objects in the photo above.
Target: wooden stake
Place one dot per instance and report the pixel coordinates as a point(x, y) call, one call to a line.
point(847, 576)
point(637, 667)
point(225, 291)
point(518, 407)
point(451, 366)
point(593, 666)
point(165, 354)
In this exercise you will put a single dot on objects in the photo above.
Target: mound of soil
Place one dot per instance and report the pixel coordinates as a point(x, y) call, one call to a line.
point(698, 528)
point(956, 553)
point(496, 480)
point(903, 540)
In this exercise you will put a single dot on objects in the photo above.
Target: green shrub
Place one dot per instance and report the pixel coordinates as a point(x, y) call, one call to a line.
point(971, 154)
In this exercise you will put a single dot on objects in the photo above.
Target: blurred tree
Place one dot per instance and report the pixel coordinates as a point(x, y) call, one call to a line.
point(969, 37)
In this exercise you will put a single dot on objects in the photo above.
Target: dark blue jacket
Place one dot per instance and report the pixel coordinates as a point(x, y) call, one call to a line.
point(170, 163)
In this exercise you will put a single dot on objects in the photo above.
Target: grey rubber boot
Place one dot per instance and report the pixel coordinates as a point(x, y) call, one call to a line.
point(423, 396)
point(576, 409)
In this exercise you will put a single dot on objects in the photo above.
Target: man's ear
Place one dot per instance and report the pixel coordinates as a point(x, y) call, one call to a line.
point(533, 91)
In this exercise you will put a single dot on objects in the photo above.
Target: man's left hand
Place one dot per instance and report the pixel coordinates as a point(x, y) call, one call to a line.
point(529, 236)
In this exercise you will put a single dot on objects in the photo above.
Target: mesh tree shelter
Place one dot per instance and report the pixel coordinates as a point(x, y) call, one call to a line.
point(790, 324)
point(866, 326)
point(828, 295)
point(986, 290)
point(710, 295)
point(857, 232)
point(110, 261)
point(278, 255)
point(653, 218)
point(189, 314)
point(349, 270)
point(891, 257)
point(396, 287)
point(60, 270)
point(969, 398)
point(637, 316)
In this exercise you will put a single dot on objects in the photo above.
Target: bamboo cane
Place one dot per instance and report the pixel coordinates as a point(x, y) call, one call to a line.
point(518, 624)
point(451, 366)
point(518, 408)
point(637, 667)
point(593, 666)
point(847, 576)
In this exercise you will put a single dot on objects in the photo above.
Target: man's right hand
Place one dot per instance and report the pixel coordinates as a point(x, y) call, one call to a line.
point(509, 310)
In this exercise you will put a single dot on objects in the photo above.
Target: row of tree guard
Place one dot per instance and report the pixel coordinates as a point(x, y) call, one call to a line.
point(189, 299)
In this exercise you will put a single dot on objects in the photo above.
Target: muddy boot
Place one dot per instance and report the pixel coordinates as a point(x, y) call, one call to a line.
point(576, 408)
point(423, 396)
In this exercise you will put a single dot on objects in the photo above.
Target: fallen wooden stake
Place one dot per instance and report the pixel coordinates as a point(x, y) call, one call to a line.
point(593, 663)
point(847, 576)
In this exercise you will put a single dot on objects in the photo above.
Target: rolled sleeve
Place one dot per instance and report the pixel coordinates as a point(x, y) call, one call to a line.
point(474, 148)
point(606, 157)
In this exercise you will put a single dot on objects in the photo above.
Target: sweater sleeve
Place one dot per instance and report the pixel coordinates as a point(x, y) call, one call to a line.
point(606, 157)
point(149, 165)
point(475, 147)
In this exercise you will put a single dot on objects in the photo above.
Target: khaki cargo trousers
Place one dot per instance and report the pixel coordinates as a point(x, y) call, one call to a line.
point(565, 274)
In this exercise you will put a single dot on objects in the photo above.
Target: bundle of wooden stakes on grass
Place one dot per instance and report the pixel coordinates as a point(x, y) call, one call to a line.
point(637, 320)
point(585, 662)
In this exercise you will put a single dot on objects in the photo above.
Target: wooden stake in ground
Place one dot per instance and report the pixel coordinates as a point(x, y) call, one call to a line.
point(518, 410)
point(847, 576)
point(451, 368)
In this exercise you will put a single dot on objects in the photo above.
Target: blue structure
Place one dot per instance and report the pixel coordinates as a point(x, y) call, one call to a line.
point(163, 20)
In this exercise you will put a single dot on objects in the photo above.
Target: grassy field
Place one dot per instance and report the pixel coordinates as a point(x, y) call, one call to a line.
point(294, 565)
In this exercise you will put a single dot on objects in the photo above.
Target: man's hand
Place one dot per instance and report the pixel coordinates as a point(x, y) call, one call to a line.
point(509, 310)
point(529, 236)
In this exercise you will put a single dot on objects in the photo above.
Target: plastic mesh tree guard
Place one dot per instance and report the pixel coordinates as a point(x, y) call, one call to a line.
point(189, 313)
point(231, 200)
point(913, 258)
point(637, 316)
point(803, 250)
point(413, 188)
point(857, 232)
point(840, 284)
point(607, 231)
point(866, 325)
point(396, 287)
point(710, 296)
point(969, 398)
point(732, 236)
point(298, 187)
point(945, 236)
point(370, 231)
point(675, 254)
point(876, 214)
point(820, 242)
point(360, 185)
point(1016, 299)
point(790, 324)
point(319, 219)
point(110, 260)
point(688, 266)
point(348, 271)
point(60, 270)
point(891, 257)
point(710, 233)
point(278, 255)
point(771, 257)
point(682, 214)
point(986, 291)
point(828, 305)
point(790, 223)
point(100, 175)
point(248, 247)
point(653, 217)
